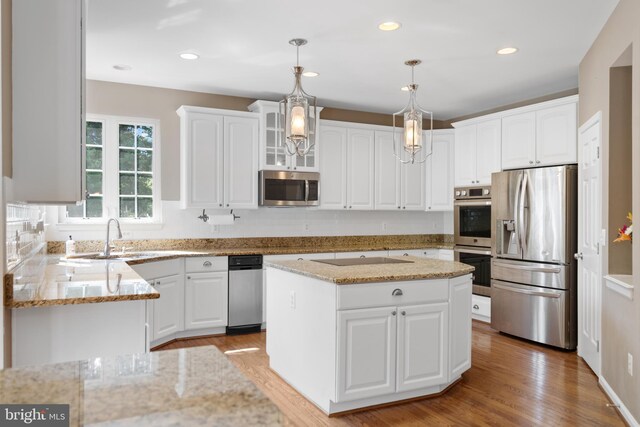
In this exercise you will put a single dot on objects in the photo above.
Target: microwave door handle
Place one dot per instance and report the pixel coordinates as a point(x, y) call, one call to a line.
point(306, 190)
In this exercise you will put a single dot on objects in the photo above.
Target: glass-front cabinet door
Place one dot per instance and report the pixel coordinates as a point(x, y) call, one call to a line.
point(273, 154)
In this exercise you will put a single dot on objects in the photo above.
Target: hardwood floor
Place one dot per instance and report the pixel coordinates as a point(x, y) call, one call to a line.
point(511, 382)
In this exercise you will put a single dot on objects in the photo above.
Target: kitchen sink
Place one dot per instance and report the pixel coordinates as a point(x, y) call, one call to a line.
point(346, 262)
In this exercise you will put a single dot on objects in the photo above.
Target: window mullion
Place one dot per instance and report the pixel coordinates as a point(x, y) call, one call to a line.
point(111, 170)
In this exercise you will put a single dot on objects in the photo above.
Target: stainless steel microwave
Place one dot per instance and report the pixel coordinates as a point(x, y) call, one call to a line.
point(286, 188)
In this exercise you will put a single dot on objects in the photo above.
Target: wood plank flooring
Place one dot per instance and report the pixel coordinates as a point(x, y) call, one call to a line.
point(511, 382)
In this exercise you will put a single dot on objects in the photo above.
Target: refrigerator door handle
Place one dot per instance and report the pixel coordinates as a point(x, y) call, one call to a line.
point(546, 294)
point(521, 229)
point(526, 268)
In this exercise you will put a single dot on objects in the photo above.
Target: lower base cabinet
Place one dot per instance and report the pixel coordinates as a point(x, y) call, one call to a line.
point(391, 349)
point(206, 300)
point(168, 310)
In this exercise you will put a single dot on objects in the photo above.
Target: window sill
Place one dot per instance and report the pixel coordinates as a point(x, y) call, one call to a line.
point(130, 225)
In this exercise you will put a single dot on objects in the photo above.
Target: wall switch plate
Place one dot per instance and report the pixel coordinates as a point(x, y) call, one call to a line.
point(292, 299)
point(630, 364)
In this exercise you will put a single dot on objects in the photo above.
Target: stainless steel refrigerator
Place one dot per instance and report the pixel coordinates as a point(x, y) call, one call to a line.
point(533, 242)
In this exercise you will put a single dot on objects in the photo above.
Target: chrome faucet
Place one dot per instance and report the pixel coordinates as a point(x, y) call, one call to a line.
point(107, 246)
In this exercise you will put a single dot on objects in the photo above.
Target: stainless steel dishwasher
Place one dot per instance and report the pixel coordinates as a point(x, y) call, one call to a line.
point(245, 294)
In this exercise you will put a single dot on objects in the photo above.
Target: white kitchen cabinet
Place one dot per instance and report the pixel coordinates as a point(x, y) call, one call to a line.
point(48, 52)
point(422, 346)
point(460, 326)
point(168, 310)
point(360, 169)
point(347, 168)
point(406, 252)
point(366, 353)
point(540, 136)
point(362, 254)
point(273, 154)
point(333, 167)
point(477, 153)
point(206, 300)
point(397, 185)
point(219, 158)
point(445, 254)
point(440, 172)
point(481, 308)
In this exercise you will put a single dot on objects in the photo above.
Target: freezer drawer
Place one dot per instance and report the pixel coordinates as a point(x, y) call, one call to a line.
point(533, 273)
point(543, 315)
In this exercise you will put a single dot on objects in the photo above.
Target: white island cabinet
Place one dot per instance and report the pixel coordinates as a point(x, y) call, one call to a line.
point(351, 337)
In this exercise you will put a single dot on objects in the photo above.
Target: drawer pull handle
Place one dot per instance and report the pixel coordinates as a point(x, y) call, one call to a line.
point(362, 256)
point(405, 254)
point(476, 307)
point(300, 259)
point(393, 313)
point(396, 292)
point(206, 264)
point(404, 313)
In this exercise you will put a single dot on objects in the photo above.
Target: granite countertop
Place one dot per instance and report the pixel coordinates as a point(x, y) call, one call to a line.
point(420, 268)
point(52, 280)
point(194, 386)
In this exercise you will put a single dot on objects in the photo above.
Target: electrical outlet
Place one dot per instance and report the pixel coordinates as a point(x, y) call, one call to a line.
point(292, 299)
point(215, 228)
point(384, 226)
point(630, 363)
point(306, 227)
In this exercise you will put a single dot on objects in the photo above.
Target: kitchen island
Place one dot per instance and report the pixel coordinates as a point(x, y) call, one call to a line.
point(380, 331)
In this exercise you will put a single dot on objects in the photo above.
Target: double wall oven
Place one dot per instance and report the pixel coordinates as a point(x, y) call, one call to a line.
point(472, 234)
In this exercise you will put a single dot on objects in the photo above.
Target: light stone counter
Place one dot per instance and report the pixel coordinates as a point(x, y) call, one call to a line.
point(420, 268)
point(195, 386)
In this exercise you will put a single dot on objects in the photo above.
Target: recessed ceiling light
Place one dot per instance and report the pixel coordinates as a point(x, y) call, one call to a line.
point(507, 50)
point(389, 26)
point(405, 88)
point(310, 74)
point(189, 55)
point(123, 67)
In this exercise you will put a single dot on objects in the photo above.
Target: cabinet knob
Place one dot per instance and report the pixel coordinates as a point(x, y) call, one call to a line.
point(393, 313)
point(476, 307)
point(220, 204)
point(206, 264)
point(227, 204)
point(404, 313)
point(295, 168)
point(404, 207)
point(288, 167)
point(350, 207)
point(158, 282)
point(398, 207)
point(396, 292)
point(345, 207)
point(188, 277)
point(537, 161)
point(530, 162)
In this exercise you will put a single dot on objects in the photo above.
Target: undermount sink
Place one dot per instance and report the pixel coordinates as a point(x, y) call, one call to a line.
point(346, 262)
point(114, 255)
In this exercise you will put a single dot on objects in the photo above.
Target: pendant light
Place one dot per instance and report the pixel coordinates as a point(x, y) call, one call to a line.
point(410, 148)
point(296, 111)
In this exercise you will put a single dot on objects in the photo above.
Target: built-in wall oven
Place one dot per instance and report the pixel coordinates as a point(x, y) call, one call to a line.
point(472, 234)
point(472, 216)
point(480, 258)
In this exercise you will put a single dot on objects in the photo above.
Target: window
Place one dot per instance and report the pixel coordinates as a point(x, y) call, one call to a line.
point(122, 164)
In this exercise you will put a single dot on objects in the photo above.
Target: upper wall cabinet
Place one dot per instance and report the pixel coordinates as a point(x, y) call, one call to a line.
point(397, 185)
point(346, 168)
point(48, 88)
point(543, 137)
point(477, 152)
point(273, 155)
point(219, 158)
point(439, 185)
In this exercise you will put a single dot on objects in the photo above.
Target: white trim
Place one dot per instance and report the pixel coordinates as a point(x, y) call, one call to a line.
point(191, 109)
point(354, 125)
point(527, 108)
point(616, 400)
point(596, 118)
point(621, 284)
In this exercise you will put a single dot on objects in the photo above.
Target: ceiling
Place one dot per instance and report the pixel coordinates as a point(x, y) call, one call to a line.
point(244, 50)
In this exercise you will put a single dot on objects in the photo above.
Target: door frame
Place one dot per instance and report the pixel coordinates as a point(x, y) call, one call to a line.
point(593, 120)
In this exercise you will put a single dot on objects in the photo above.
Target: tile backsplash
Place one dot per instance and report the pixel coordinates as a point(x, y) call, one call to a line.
point(25, 232)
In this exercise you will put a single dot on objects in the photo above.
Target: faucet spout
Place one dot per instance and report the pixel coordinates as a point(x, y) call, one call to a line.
point(107, 245)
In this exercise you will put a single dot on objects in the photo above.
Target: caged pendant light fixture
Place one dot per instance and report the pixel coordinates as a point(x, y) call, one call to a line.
point(410, 147)
point(297, 109)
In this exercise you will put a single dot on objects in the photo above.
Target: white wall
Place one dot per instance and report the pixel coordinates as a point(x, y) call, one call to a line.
point(264, 222)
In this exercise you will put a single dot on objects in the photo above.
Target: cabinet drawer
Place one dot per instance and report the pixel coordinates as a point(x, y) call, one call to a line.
point(481, 307)
point(206, 263)
point(292, 257)
point(381, 294)
point(362, 254)
point(153, 270)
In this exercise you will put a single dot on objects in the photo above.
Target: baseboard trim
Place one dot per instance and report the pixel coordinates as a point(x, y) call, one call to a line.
point(628, 417)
